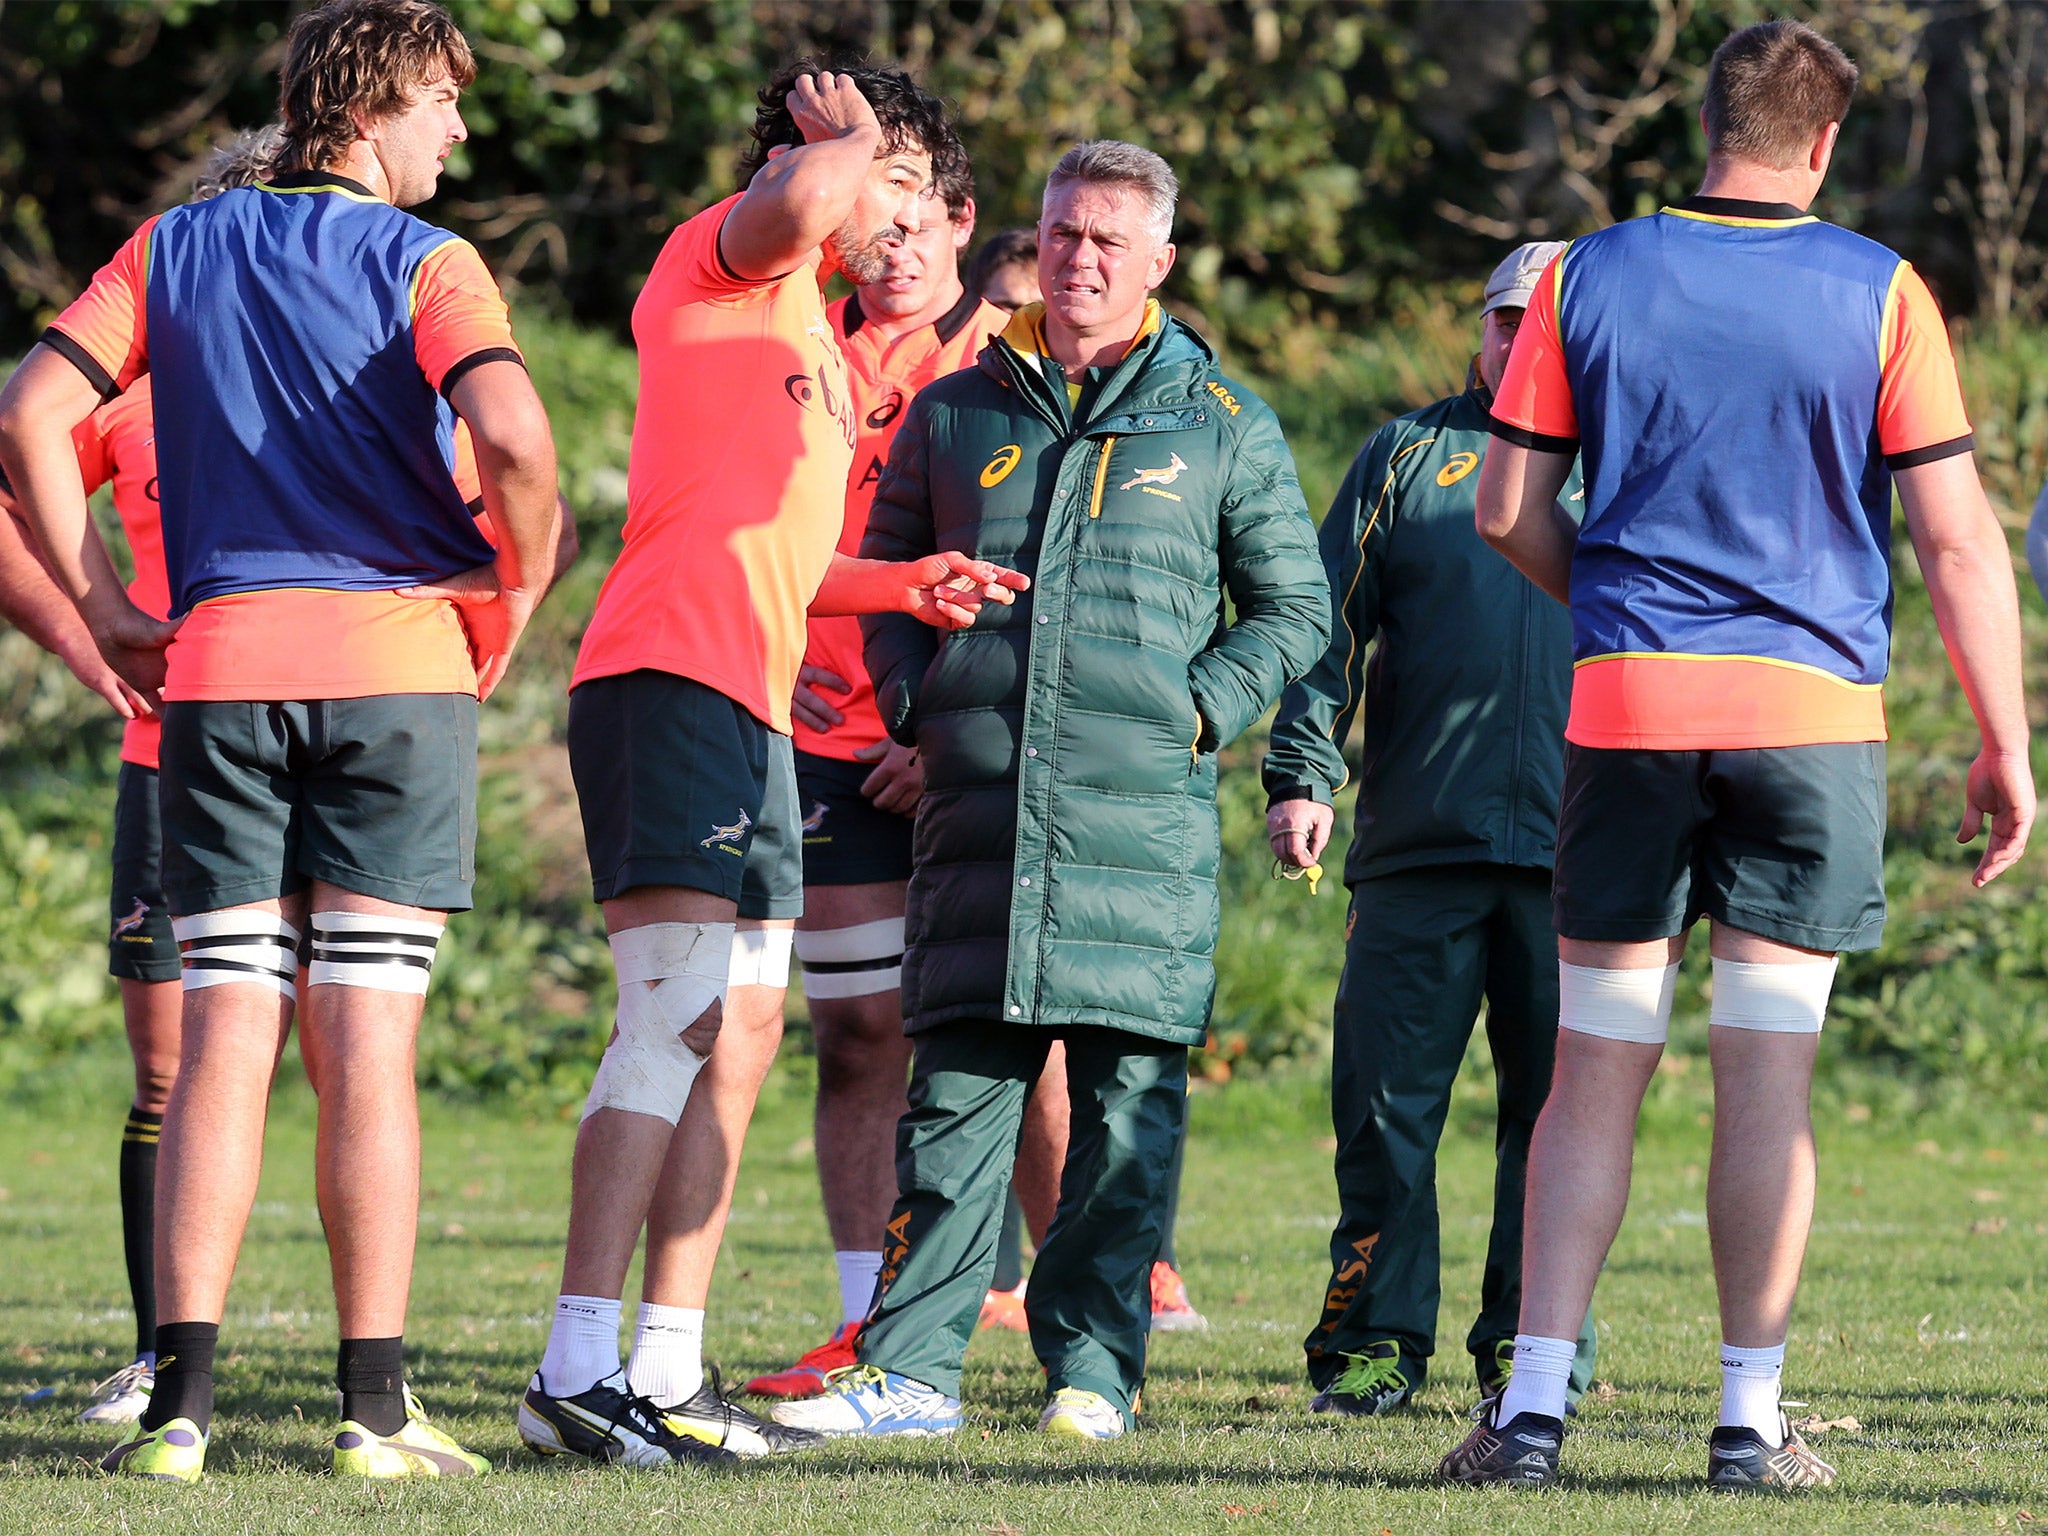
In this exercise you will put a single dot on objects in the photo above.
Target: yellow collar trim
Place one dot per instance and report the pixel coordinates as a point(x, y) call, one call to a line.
point(1738, 222)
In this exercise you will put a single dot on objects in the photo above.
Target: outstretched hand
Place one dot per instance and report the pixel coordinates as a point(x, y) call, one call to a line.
point(2002, 788)
point(947, 590)
point(493, 616)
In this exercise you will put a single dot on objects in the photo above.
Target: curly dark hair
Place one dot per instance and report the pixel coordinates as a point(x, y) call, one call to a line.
point(911, 117)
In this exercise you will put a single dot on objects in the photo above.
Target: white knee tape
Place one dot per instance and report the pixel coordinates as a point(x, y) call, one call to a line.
point(858, 961)
point(1777, 999)
point(669, 973)
point(1616, 1005)
point(220, 948)
point(760, 957)
point(366, 949)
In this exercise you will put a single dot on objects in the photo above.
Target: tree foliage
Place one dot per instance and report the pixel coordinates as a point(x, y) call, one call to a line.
point(1336, 156)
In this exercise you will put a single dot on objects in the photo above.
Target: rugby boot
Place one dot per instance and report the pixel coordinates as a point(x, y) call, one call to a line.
point(807, 1377)
point(1521, 1453)
point(1739, 1460)
point(176, 1453)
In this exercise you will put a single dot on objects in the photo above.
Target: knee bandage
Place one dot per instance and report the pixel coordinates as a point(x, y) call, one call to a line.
point(852, 962)
point(760, 958)
point(1777, 999)
point(669, 973)
point(218, 948)
point(366, 949)
point(1616, 1005)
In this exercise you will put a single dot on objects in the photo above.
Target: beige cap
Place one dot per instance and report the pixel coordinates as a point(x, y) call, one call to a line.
point(1516, 277)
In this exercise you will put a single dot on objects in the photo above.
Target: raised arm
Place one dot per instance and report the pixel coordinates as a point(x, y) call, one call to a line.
point(1963, 554)
point(801, 195)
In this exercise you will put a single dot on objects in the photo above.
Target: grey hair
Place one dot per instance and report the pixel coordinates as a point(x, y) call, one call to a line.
point(1111, 162)
point(238, 161)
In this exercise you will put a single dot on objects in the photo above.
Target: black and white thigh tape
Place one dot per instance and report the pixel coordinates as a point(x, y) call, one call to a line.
point(239, 945)
point(852, 962)
point(365, 949)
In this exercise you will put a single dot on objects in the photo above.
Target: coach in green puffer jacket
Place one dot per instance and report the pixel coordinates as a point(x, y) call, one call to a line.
point(1064, 883)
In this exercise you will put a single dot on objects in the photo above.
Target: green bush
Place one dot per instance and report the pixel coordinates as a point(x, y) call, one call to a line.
point(1949, 1010)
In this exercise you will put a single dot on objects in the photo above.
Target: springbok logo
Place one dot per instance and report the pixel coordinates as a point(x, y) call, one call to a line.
point(1166, 476)
point(729, 836)
point(133, 922)
point(1460, 465)
point(817, 817)
point(997, 470)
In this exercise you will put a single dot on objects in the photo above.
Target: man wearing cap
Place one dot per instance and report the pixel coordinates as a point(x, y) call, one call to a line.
point(1449, 868)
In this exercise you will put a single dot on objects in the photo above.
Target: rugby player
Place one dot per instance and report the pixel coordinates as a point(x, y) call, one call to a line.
point(679, 721)
point(1005, 271)
point(1746, 385)
point(337, 616)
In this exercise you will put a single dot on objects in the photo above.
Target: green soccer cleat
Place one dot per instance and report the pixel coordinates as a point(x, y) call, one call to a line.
point(175, 1453)
point(416, 1450)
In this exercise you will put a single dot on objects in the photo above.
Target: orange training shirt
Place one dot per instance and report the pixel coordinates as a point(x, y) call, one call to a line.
point(734, 493)
point(886, 377)
point(117, 443)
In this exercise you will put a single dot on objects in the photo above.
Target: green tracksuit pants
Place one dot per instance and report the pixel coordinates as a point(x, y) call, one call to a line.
point(1090, 1302)
point(1423, 947)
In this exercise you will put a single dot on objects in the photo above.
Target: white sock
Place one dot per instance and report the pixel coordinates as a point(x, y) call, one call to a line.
point(1541, 1378)
point(668, 1353)
point(583, 1346)
point(1749, 1389)
point(858, 1271)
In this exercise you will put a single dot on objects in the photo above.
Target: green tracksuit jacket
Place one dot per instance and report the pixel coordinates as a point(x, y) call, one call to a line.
point(1465, 699)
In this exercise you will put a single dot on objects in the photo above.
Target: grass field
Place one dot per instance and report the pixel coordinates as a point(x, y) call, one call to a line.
point(1919, 1321)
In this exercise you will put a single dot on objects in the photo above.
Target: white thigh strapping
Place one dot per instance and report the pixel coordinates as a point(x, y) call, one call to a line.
point(364, 949)
point(760, 957)
point(220, 948)
point(1776, 999)
point(856, 961)
point(669, 973)
point(1616, 1005)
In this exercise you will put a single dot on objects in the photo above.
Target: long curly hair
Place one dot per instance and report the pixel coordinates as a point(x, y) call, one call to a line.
point(911, 117)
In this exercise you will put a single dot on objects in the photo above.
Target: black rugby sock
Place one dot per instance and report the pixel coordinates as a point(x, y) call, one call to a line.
point(371, 1375)
point(184, 1375)
point(138, 1220)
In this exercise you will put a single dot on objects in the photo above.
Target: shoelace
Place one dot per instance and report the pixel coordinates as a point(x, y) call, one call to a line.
point(1366, 1374)
point(126, 1379)
point(854, 1377)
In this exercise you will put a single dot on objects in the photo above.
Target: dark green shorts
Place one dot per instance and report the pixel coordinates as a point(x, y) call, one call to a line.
point(139, 942)
point(680, 785)
point(375, 795)
point(848, 839)
point(1785, 842)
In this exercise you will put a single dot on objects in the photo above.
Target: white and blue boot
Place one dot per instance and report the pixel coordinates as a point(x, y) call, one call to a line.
point(867, 1400)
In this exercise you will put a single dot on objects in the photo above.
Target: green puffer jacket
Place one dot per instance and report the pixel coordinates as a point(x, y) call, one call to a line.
point(1067, 841)
point(1466, 694)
